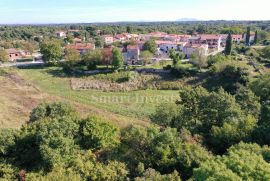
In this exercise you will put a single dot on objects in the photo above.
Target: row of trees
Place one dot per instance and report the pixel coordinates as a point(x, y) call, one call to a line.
point(52, 54)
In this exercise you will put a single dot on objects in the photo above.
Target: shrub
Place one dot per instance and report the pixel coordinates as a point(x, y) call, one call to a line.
point(97, 134)
point(185, 70)
point(54, 110)
point(7, 141)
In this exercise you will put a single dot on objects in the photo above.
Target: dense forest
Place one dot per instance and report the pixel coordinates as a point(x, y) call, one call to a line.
point(33, 32)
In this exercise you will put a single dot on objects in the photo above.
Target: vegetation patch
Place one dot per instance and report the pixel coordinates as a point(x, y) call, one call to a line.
point(126, 81)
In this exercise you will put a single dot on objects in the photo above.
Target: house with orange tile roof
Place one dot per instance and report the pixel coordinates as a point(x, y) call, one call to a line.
point(14, 54)
point(213, 41)
point(108, 39)
point(154, 35)
point(237, 38)
point(189, 49)
point(81, 47)
point(121, 37)
point(178, 38)
point(165, 46)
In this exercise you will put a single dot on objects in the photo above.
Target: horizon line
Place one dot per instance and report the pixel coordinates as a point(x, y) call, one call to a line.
point(132, 21)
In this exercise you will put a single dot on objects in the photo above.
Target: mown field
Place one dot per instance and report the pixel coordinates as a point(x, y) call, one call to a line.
point(135, 105)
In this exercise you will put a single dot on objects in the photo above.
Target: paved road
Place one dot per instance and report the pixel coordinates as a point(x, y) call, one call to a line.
point(21, 64)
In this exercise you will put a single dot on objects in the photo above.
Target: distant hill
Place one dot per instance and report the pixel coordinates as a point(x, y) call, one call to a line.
point(187, 19)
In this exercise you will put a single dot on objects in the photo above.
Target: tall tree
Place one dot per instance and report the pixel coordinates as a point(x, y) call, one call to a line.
point(248, 36)
point(176, 57)
point(51, 51)
point(99, 42)
point(256, 37)
point(72, 58)
point(92, 59)
point(199, 58)
point(150, 46)
point(118, 59)
point(228, 48)
point(146, 57)
point(129, 29)
point(72, 55)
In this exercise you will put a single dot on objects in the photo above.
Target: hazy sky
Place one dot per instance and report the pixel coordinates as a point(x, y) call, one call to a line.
point(73, 11)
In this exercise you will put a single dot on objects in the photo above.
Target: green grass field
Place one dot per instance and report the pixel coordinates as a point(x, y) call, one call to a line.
point(135, 104)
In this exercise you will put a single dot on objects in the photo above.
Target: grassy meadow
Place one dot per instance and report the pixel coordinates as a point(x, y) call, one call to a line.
point(135, 104)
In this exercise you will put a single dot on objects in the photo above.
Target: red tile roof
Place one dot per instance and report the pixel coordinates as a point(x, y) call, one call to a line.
point(132, 47)
point(207, 37)
point(81, 46)
point(161, 42)
point(12, 51)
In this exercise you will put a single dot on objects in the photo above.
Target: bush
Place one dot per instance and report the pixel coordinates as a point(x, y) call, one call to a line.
point(7, 141)
point(54, 110)
point(118, 76)
point(97, 134)
point(184, 71)
point(165, 114)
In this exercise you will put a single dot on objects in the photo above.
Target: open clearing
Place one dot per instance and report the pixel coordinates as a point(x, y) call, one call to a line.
point(17, 99)
point(29, 87)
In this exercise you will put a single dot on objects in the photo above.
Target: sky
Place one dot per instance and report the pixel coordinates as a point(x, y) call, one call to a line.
point(89, 11)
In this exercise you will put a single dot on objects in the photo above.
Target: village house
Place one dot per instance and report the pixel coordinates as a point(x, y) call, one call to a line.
point(213, 41)
point(189, 49)
point(81, 47)
point(134, 37)
point(121, 38)
point(177, 38)
point(132, 54)
point(165, 46)
point(153, 35)
point(251, 39)
point(15, 54)
point(126, 37)
point(61, 34)
point(108, 39)
point(235, 38)
point(223, 39)
point(140, 44)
